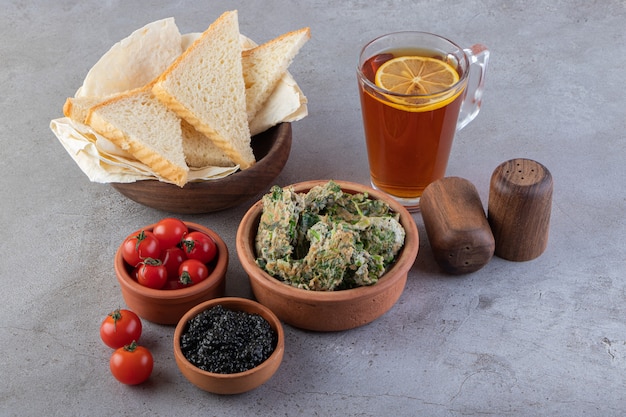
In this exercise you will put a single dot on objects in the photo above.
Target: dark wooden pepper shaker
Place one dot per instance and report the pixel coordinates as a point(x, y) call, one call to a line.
point(520, 201)
point(456, 225)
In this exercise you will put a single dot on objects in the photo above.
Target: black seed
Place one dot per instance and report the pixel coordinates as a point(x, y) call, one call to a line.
point(223, 341)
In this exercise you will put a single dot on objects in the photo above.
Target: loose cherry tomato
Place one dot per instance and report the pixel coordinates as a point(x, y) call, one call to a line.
point(200, 246)
point(193, 271)
point(170, 231)
point(172, 258)
point(152, 273)
point(120, 328)
point(140, 246)
point(131, 364)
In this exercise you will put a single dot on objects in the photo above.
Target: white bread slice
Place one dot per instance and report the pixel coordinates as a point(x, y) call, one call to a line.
point(134, 61)
point(205, 87)
point(199, 151)
point(264, 65)
point(140, 124)
point(77, 108)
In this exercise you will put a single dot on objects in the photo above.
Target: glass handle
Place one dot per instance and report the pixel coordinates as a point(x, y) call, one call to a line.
point(478, 56)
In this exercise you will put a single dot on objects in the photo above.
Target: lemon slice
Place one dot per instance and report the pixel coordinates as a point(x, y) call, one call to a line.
point(411, 76)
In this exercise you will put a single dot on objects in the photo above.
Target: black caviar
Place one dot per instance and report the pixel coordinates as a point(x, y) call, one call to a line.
point(223, 341)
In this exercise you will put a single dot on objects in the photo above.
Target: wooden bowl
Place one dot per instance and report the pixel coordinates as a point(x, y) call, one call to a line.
point(238, 382)
point(328, 310)
point(271, 149)
point(168, 306)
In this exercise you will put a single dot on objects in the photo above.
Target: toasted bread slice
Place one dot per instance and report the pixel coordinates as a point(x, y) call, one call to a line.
point(199, 151)
point(77, 108)
point(264, 65)
point(205, 86)
point(140, 124)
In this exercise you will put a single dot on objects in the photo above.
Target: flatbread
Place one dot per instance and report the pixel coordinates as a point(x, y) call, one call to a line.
point(134, 61)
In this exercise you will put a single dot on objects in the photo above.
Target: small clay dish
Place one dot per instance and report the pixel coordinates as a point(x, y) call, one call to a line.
point(271, 150)
point(239, 382)
point(328, 310)
point(167, 306)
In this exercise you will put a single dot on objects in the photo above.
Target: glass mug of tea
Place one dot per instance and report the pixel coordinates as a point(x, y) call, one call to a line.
point(416, 93)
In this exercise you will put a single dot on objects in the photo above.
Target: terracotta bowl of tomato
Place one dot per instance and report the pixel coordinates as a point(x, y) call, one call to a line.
point(271, 149)
point(257, 330)
point(328, 310)
point(166, 303)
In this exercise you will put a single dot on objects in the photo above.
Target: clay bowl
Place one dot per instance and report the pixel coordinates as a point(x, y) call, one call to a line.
point(168, 306)
point(238, 382)
point(328, 310)
point(271, 149)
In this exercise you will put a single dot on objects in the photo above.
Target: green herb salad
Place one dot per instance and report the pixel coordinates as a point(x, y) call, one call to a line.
point(326, 239)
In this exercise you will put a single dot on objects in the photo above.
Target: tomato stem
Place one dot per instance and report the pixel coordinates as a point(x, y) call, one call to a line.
point(185, 278)
point(131, 347)
point(152, 262)
point(116, 315)
point(188, 245)
point(140, 237)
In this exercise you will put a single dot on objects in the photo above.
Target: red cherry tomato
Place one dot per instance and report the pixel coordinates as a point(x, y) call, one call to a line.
point(200, 246)
point(140, 246)
point(173, 284)
point(120, 328)
point(193, 271)
point(152, 274)
point(170, 231)
point(131, 364)
point(172, 258)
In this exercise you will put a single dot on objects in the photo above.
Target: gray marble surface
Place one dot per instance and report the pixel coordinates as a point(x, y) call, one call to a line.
point(545, 337)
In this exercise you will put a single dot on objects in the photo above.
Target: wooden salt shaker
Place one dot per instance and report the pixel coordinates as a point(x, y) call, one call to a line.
point(456, 225)
point(520, 201)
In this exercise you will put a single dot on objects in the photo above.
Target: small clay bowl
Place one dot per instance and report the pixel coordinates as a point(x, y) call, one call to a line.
point(238, 382)
point(328, 310)
point(271, 149)
point(168, 306)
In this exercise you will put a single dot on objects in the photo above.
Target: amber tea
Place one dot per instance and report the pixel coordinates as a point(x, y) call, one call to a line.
point(408, 147)
point(411, 97)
